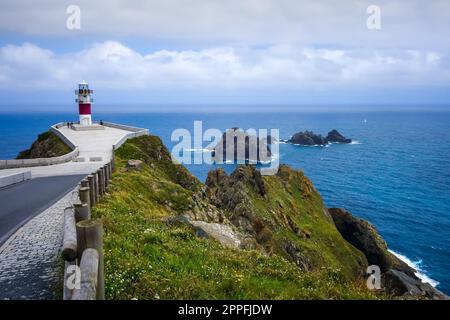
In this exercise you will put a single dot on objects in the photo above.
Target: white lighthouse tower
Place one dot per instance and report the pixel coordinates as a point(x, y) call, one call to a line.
point(84, 103)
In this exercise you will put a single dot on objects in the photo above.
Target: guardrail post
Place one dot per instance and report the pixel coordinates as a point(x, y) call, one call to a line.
point(84, 183)
point(102, 170)
point(108, 170)
point(90, 235)
point(108, 174)
point(84, 195)
point(101, 182)
point(91, 189)
point(96, 191)
point(69, 250)
point(113, 159)
point(105, 175)
point(82, 212)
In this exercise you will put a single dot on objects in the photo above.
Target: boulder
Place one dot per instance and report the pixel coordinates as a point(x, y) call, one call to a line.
point(134, 165)
point(220, 232)
point(335, 136)
point(398, 283)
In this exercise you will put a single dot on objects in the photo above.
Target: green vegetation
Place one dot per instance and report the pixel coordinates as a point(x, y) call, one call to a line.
point(147, 258)
point(295, 213)
point(46, 146)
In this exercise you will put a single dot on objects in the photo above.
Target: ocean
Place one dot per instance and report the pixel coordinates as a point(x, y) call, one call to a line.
point(396, 174)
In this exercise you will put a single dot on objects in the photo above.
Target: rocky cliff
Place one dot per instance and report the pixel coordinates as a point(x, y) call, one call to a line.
point(398, 278)
point(242, 235)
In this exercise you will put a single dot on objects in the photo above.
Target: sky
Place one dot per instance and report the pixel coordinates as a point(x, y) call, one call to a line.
point(194, 52)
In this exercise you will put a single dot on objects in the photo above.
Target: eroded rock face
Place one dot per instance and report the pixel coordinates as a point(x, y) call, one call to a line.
point(295, 255)
point(398, 279)
point(229, 193)
point(335, 136)
point(365, 237)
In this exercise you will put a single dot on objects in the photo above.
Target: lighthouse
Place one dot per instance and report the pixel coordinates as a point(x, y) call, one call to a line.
point(84, 103)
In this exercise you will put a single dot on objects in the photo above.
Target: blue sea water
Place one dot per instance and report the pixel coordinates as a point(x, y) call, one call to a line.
point(397, 176)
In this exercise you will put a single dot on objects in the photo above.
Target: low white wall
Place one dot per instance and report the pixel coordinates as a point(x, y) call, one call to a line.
point(142, 132)
point(14, 178)
point(24, 163)
point(54, 128)
point(123, 127)
point(135, 132)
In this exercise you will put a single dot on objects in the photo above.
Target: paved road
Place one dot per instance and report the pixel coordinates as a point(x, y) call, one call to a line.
point(23, 201)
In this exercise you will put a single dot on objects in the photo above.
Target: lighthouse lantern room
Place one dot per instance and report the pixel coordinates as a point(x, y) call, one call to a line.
point(84, 101)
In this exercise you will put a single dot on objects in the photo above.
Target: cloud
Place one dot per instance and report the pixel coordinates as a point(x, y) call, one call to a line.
point(405, 23)
point(113, 65)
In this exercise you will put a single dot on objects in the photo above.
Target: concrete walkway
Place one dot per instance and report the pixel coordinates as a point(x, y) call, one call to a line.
point(92, 143)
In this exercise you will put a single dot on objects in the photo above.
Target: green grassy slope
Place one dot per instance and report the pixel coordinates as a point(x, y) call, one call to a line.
point(147, 258)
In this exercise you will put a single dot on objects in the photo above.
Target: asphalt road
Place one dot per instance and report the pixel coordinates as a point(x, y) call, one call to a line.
point(22, 201)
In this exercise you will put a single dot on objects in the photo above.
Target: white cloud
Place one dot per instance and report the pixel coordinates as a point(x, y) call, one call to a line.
point(110, 64)
point(405, 23)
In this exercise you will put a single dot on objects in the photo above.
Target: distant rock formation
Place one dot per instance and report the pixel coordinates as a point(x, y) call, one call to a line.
point(309, 138)
point(335, 136)
point(245, 147)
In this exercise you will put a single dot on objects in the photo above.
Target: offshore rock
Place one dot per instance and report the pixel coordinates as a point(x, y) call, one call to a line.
point(335, 136)
point(241, 146)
